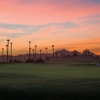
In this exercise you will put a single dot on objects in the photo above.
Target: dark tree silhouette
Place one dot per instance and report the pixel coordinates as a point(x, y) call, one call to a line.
point(2, 53)
point(75, 53)
point(53, 49)
point(86, 52)
point(29, 49)
point(46, 51)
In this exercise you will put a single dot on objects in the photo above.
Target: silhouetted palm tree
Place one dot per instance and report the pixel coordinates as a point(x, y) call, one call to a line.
point(7, 52)
point(8, 42)
point(75, 53)
point(40, 54)
point(11, 51)
point(29, 49)
point(8, 48)
point(86, 52)
point(35, 52)
point(46, 51)
point(2, 53)
point(53, 49)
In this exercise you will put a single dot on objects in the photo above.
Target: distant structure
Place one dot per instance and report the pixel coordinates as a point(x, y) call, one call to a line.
point(73, 59)
point(86, 58)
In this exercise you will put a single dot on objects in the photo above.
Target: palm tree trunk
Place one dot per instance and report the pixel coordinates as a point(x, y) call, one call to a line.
point(33, 55)
point(11, 52)
point(35, 52)
point(29, 49)
point(2, 54)
point(7, 52)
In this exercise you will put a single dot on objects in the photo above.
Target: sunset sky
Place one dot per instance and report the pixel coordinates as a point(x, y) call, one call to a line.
point(67, 24)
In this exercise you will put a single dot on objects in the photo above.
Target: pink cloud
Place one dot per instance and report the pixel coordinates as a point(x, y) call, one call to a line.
point(43, 13)
point(11, 31)
point(88, 30)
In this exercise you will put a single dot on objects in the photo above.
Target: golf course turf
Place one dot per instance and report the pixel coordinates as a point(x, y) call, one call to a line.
point(28, 81)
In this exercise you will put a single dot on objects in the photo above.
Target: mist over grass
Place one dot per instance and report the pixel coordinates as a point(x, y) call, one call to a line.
point(49, 82)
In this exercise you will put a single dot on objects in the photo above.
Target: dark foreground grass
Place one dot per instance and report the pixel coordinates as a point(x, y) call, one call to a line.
point(49, 82)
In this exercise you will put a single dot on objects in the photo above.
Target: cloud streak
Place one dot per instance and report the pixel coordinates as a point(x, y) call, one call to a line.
point(11, 31)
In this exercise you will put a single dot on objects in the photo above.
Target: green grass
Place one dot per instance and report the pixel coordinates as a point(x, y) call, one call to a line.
point(49, 82)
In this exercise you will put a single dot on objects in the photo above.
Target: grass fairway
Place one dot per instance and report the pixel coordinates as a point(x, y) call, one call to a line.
point(49, 82)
